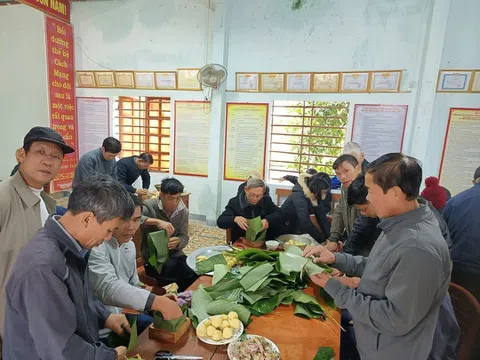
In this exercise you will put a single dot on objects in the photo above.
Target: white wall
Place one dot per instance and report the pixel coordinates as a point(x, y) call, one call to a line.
point(461, 51)
point(23, 79)
point(268, 36)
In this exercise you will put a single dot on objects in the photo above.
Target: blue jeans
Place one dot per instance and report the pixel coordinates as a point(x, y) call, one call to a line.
point(348, 343)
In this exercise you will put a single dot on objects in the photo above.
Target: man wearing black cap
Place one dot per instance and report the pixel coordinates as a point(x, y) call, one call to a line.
point(24, 206)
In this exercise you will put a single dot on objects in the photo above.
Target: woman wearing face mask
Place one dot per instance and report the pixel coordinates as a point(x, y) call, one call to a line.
point(305, 201)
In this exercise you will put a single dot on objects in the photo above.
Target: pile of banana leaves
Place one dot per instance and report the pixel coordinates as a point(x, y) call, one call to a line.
point(266, 280)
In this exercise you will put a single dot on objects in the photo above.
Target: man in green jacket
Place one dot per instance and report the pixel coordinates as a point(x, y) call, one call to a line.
point(347, 169)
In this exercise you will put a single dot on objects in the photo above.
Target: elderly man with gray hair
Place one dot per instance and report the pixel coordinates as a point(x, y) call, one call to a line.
point(353, 148)
point(250, 204)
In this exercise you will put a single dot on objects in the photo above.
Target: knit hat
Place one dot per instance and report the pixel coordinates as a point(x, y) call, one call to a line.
point(434, 193)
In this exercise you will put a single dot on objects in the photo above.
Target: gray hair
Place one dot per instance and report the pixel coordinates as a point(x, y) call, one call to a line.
point(104, 196)
point(352, 148)
point(253, 183)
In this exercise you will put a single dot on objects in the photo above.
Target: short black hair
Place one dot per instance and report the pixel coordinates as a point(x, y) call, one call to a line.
point(357, 191)
point(103, 196)
point(311, 171)
point(27, 146)
point(136, 200)
point(476, 175)
point(171, 186)
point(397, 169)
point(112, 145)
point(352, 160)
point(318, 182)
point(146, 157)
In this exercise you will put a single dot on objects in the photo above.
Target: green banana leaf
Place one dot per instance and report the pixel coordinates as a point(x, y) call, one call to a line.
point(219, 307)
point(128, 340)
point(200, 301)
point(291, 263)
point(220, 270)
point(205, 266)
point(158, 249)
point(253, 232)
point(255, 274)
point(169, 325)
point(324, 353)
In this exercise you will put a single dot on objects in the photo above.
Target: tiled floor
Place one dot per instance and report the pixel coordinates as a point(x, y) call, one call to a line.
point(202, 235)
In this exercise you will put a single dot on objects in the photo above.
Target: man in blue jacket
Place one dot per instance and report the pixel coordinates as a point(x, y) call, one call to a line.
point(51, 312)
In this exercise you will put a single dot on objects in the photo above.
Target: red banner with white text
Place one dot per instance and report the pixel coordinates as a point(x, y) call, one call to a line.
point(61, 88)
point(57, 8)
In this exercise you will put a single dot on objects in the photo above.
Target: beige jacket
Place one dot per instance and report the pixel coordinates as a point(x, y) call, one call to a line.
point(343, 218)
point(19, 221)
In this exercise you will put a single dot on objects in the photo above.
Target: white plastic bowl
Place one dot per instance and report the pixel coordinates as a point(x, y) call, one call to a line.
point(272, 245)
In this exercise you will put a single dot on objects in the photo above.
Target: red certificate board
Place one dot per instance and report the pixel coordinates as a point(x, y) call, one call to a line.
point(61, 90)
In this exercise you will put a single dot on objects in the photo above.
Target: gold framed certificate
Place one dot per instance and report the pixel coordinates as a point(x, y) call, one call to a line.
point(187, 79)
point(248, 82)
point(272, 82)
point(298, 82)
point(354, 81)
point(105, 79)
point(125, 79)
point(454, 80)
point(86, 79)
point(166, 80)
point(325, 82)
point(385, 81)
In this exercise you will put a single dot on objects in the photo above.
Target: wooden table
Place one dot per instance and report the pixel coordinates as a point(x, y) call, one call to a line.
point(297, 338)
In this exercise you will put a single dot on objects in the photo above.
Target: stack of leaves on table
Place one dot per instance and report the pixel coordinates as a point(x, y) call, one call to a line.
point(266, 280)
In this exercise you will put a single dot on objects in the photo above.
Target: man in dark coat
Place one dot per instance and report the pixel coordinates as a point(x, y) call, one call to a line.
point(249, 205)
point(130, 168)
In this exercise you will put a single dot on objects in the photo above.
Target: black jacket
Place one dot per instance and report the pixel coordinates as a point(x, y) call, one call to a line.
point(239, 206)
point(365, 232)
point(299, 206)
point(326, 203)
point(128, 173)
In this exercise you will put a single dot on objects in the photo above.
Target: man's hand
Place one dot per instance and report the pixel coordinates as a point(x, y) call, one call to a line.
point(351, 282)
point(241, 222)
point(117, 323)
point(121, 353)
point(173, 242)
point(331, 246)
point(320, 279)
point(169, 308)
point(322, 255)
point(265, 225)
point(141, 192)
point(165, 225)
point(337, 273)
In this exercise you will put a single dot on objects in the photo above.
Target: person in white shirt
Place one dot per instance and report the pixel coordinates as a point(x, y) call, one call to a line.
point(113, 274)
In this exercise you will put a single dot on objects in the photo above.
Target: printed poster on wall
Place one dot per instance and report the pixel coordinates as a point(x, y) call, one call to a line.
point(93, 123)
point(192, 138)
point(245, 140)
point(379, 129)
point(61, 91)
point(461, 150)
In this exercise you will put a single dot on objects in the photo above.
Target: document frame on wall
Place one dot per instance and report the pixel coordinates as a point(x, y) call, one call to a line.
point(260, 168)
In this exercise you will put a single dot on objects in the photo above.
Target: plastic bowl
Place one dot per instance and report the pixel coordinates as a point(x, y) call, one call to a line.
point(272, 245)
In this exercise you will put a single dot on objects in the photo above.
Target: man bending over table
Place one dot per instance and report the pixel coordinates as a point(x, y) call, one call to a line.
point(168, 212)
point(406, 277)
point(113, 274)
point(51, 311)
